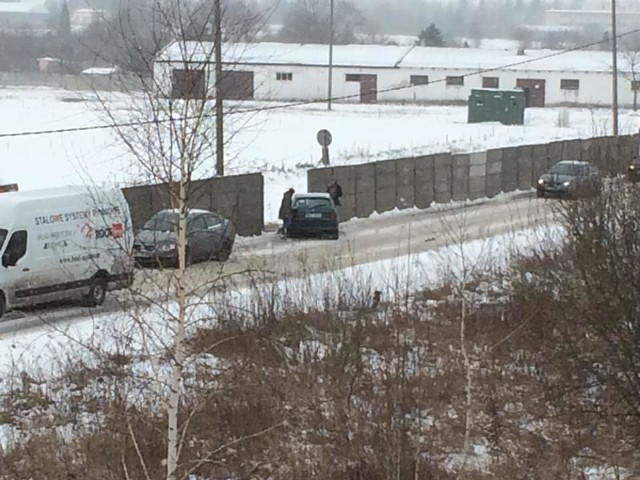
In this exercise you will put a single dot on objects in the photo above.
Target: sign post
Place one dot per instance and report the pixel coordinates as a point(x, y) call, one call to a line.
point(324, 139)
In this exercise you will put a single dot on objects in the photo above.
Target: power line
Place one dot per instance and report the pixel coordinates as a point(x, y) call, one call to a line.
point(157, 121)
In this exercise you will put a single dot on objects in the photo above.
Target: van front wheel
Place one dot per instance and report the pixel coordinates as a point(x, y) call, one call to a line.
point(97, 293)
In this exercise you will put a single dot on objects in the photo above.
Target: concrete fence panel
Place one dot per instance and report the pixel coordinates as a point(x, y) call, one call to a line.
point(346, 177)
point(319, 178)
point(443, 177)
point(525, 167)
point(540, 161)
point(627, 150)
point(365, 189)
point(493, 178)
point(240, 198)
point(460, 177)
point(477, 175)
point(572, 149)
point(425, 178)
point(555, 150)
point(510, 169)
point(386, 185)
point(139, 200)
point(405, 183)
point(591, 152)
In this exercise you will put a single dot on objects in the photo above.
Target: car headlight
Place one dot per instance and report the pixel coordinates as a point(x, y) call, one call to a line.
point(632, 167)
point(167, 247)
point(541, 182)
point(566, 184)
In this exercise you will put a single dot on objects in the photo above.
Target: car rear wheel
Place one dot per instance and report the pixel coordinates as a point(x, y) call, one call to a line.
point(3, 305)
point(541, 194)
point(97, 293)
point(335, 235)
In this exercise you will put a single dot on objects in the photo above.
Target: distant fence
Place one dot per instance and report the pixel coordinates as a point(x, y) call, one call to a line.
point(419, 181)
point(239, 197)
point(118, 83)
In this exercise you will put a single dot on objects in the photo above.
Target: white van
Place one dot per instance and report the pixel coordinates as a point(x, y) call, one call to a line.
point(63, 243)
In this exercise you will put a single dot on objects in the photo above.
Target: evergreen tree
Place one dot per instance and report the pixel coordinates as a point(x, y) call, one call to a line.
point(431, 37)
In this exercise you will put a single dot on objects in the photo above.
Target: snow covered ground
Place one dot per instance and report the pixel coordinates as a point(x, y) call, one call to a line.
point(279, 142)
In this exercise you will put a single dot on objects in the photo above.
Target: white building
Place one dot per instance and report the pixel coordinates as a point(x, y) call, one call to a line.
point(16, 15)
point(84, 18)
point(372, 73)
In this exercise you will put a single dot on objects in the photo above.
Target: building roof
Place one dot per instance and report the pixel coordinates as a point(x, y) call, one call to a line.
point(379, 56)
point(23, 6)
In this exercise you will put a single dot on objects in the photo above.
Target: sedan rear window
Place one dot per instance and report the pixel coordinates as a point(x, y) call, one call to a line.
point(162, 222)
point(312, 203)
point(571, 169)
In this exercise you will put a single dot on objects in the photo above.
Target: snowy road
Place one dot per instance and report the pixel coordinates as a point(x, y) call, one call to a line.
point(381, 237)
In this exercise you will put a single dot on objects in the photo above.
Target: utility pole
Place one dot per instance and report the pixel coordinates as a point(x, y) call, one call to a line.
point(219, 105)
point(614, 49)
point(330, 86)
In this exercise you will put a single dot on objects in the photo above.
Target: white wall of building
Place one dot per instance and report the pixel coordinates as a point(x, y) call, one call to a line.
point(309, 83)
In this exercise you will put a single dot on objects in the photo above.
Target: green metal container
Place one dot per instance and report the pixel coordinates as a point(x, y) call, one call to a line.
point(493, 105)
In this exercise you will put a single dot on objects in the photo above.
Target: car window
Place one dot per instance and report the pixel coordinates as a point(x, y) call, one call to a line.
point(162, 222)
point(3, 236)
point(197, 224)
point(312, 203)
point(212, 221)
point(566, 169)
point(17, 246)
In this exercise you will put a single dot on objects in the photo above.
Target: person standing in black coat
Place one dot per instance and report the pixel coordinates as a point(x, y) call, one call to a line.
point(335, 190)
point(284, 213)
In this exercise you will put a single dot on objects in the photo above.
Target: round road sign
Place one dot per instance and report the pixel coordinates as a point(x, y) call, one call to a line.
point(324, 138)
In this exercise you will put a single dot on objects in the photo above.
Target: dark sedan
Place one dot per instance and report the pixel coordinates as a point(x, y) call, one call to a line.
point(313, 214)
point(209, 236)
point(570, 178)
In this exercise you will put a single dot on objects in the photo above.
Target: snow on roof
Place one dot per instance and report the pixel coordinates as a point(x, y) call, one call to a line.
point(287, 54)
point(100, 71)
point(311, 195)
point(380, 56)
point(13, 6)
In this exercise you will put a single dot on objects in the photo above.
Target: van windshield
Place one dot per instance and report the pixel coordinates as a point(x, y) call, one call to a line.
point(3, 237)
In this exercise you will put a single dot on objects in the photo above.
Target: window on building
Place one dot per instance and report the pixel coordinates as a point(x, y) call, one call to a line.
point(455, 80)
point(284, 76)
point(490, 82)
point(188, 84)
point(352, 77)
point(419, 79)
point(569, 84)
point(635, 85)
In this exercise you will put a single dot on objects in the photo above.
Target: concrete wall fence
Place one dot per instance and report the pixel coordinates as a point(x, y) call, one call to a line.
point(419, 181)
point(239, 197)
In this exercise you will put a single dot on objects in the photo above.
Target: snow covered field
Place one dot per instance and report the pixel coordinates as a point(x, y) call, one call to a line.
point(281, 142)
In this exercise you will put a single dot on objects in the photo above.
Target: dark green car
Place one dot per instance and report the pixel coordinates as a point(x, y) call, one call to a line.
point(313, 214)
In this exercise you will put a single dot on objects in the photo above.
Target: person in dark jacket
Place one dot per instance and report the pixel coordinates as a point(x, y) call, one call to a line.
point(284, 213)
point(335, 190)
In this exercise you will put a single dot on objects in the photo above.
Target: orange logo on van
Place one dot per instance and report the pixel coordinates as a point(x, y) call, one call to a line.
point(117, 230)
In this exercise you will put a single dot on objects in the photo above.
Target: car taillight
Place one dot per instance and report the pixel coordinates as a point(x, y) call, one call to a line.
point(330, 215)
